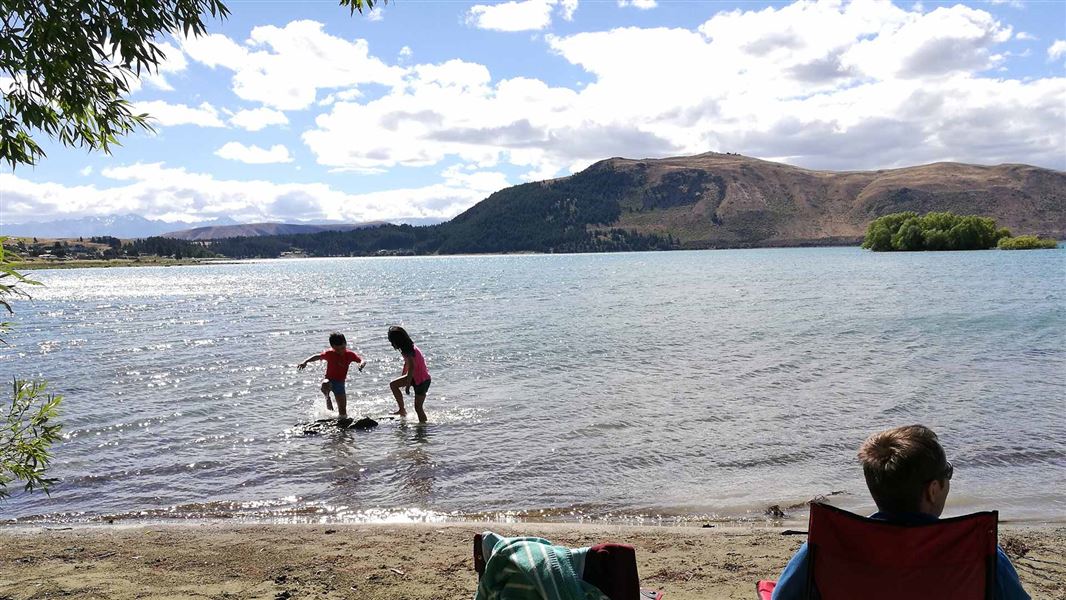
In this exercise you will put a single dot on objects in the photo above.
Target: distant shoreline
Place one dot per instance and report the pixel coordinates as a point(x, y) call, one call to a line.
point(41, 265)
point(157, 261)
point(37, 265)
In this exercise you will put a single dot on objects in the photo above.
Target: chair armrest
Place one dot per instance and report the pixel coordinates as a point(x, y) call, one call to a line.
point(479, 555)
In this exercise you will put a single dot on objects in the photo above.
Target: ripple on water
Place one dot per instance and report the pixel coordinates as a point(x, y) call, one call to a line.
point(631, 388)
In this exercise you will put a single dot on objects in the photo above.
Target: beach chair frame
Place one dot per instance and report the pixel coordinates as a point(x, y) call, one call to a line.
point(850, 556)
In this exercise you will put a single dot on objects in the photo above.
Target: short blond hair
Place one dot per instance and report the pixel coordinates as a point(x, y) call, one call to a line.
point(898, 463)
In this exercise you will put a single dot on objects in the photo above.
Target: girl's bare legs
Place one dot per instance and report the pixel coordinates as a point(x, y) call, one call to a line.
point(326, 387)
point(419, 400)
point(395, 385)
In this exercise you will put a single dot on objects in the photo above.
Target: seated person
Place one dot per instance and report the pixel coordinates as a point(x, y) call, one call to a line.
point(909, 478)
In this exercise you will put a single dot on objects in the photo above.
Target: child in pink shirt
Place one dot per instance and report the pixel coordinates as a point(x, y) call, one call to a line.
point(414, 374)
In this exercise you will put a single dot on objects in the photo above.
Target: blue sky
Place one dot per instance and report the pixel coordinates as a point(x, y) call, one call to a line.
point(295, 111)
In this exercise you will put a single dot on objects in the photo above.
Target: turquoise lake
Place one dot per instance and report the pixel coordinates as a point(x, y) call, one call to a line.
point(640, 388)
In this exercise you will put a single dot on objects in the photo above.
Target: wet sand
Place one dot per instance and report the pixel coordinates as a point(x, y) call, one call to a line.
point(421, 561)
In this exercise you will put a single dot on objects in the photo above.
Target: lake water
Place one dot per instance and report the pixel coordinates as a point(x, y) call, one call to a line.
point(640, 388)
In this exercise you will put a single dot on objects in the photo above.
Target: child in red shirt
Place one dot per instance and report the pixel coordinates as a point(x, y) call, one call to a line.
point(337, 360)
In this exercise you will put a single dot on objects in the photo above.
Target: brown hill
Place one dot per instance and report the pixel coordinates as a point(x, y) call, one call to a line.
point(718, 200)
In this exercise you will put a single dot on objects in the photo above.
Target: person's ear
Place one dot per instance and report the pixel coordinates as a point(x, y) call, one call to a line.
point(930, 494)
point(933, 489)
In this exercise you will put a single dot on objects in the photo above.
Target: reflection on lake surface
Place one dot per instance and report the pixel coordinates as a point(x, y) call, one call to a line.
point(636, 387)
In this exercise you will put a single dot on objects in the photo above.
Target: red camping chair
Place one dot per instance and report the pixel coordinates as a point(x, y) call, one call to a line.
point(855, 557)
point(610, 567)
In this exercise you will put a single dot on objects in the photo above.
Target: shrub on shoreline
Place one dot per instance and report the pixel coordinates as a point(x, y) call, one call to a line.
point(1027, 242)
point(907, 231)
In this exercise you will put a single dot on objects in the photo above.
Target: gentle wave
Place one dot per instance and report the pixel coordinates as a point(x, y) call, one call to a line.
point(673, 387)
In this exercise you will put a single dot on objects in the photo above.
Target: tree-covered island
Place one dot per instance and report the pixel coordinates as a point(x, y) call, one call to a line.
point(910, 232)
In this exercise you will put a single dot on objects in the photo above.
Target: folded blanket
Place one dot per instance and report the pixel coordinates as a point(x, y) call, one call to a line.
point(530, 568)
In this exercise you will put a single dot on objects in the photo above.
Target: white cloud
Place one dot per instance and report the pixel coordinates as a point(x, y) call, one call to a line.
point(853, 85)
point(258, 118)
point(284, 67)
point(173, 63)
point(376, 14)
point(639, 4)
point(342, 96)
point(451, 109)
point(160, 192)
point(568, 8)
point(944, 41)
point(166, 114)
point(519, 15)
point(406, 52)
point(1056, 50)
point(1025, 36)
point(86, 171)
point(862, 84)
point(487, 181)
point(254, 154)
point(215, 50)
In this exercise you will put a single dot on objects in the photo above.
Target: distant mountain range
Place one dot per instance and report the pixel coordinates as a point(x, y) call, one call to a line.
point(707, 201)
point(720, 200)
point(133, 226)
point(258, 229)
point(120, 226)
point(717, 200)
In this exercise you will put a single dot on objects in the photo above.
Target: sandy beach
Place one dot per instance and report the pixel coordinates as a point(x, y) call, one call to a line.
point(421, 561)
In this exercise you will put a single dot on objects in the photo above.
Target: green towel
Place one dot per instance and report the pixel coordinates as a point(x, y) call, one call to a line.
point(529, 568)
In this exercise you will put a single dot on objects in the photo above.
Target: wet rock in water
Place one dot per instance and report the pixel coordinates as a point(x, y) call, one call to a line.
point(775, 512)
point(365, 423)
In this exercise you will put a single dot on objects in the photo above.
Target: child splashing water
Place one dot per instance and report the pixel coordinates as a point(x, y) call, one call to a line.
point(415, 372)
point(337, 360)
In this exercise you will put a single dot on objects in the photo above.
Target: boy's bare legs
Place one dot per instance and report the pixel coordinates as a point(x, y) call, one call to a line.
point(395, 385)
point(419, 400)
point(326, 387)
point(342, 405)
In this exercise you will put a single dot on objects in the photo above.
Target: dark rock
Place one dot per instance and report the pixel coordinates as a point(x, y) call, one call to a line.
point(365, 423)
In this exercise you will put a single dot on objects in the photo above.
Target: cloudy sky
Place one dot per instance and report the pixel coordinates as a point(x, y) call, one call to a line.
point(294, 111)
